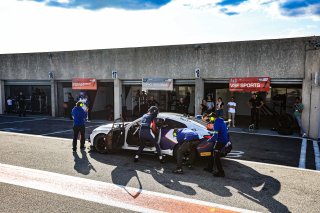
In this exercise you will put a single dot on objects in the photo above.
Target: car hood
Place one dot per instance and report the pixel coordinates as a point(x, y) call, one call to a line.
point(103, 127)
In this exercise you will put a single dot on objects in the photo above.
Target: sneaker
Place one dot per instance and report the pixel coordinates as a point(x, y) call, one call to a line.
point(304, 135)
point(208, 170)
point(161, 159)
point(177, 171)
point(218, 174)
point(136, 159)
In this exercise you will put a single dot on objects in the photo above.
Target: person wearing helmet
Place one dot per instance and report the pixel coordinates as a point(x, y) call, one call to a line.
point(148, 132)
point(219, 140)
point(79, 119)
point(209, 119)
point(188, 140)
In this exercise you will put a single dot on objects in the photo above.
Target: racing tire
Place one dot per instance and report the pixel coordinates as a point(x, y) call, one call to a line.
point(100, 143)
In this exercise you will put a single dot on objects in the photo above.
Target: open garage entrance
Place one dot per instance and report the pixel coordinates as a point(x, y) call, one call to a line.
point(279, 100)
point(136, 101)
point(100, 101)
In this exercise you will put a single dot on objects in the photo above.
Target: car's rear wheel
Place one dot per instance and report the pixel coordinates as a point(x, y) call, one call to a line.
point(100, 143)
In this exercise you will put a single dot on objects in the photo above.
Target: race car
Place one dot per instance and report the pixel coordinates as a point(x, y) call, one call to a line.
point(125, 135)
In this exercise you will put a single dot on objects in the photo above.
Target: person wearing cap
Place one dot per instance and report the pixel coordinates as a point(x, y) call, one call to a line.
point(79, 119)
point(255, 104)
point(148, 132)
point(219, 140)
point(188, 140)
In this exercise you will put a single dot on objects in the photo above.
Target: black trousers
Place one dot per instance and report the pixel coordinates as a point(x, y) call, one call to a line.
point(216, 157)
point(255, 117)
point(147, 135)
point(76, 130)
point(187, 146)
point(22, 110)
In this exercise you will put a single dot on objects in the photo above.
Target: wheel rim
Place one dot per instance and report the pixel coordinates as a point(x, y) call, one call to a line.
point(101, 145)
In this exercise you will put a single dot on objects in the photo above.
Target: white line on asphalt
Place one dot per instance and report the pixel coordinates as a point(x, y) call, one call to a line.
point(303, 154)
point(11, 122)
point(69, 130)
point(68, 120)
point(316, 154)
point(100, 192)
point(36, 136)
point(270, 164)
point(264, 134)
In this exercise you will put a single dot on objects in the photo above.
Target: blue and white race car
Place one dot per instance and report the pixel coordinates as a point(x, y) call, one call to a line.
point(125, 135)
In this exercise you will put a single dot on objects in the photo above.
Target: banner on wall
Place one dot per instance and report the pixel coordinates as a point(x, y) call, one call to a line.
point(157, 84)
point(84, 84)
point(249, 84)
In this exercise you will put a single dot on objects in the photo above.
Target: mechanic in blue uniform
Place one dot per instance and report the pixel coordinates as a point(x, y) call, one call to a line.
point(219, 140)
point(79, 119)
point(188, 140)
point(148, 133)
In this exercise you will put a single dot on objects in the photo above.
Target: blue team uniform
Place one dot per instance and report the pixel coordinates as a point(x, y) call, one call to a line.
point(220, 132)
point(186, 134)
point(146, 133)
point(219, 139)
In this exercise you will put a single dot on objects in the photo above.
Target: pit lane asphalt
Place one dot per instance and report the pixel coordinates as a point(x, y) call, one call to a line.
point(248, 185)
point(259, 148)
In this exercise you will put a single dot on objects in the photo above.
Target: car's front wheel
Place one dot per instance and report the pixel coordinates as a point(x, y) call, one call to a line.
point(100, 143)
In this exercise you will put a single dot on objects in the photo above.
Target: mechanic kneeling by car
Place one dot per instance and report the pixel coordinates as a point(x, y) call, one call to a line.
point(148, 132)
point(188, 140)
point(219, 140)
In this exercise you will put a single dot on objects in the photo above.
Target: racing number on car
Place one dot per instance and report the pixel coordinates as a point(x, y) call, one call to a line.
point(235, 154)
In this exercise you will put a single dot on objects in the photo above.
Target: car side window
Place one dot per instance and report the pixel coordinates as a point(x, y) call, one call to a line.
point(171, 124)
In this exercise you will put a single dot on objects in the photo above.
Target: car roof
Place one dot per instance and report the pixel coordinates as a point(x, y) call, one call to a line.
point(171, 115)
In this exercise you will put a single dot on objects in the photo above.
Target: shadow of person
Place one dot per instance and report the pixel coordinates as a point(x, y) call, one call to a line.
point(254, 186)
point(82, 165)
point(122, 175)
point(246, 181)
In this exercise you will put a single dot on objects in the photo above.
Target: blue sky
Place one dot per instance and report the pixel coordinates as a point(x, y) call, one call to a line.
point(57, 25)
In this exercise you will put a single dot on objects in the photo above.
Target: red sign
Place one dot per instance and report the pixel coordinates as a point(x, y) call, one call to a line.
point(250, 84)
point(84, 84)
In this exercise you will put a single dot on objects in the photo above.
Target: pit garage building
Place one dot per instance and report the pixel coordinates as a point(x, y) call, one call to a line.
point(169, 73)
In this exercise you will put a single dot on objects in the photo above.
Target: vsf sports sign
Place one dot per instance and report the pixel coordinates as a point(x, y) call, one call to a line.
point(250, 84)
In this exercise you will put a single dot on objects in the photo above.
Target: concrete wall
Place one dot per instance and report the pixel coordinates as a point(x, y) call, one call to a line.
point(311, 94)
point(279, 58)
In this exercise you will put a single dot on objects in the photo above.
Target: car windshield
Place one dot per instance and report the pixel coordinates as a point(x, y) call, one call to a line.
point(198, 122)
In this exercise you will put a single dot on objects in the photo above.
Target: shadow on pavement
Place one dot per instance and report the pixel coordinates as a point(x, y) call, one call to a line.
point(248, 182)
point(82, 165)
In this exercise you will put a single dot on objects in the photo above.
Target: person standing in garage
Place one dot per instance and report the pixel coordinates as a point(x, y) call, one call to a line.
point(21, 104)
point(148, 133)
point(79, 119)
point(255, 104)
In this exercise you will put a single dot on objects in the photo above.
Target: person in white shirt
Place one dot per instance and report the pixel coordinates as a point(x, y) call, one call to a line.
point(10, 105)
point(210, 104)
point(232, 110)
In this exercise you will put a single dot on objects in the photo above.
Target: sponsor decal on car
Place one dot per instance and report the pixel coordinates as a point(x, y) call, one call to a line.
point(205, 154)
